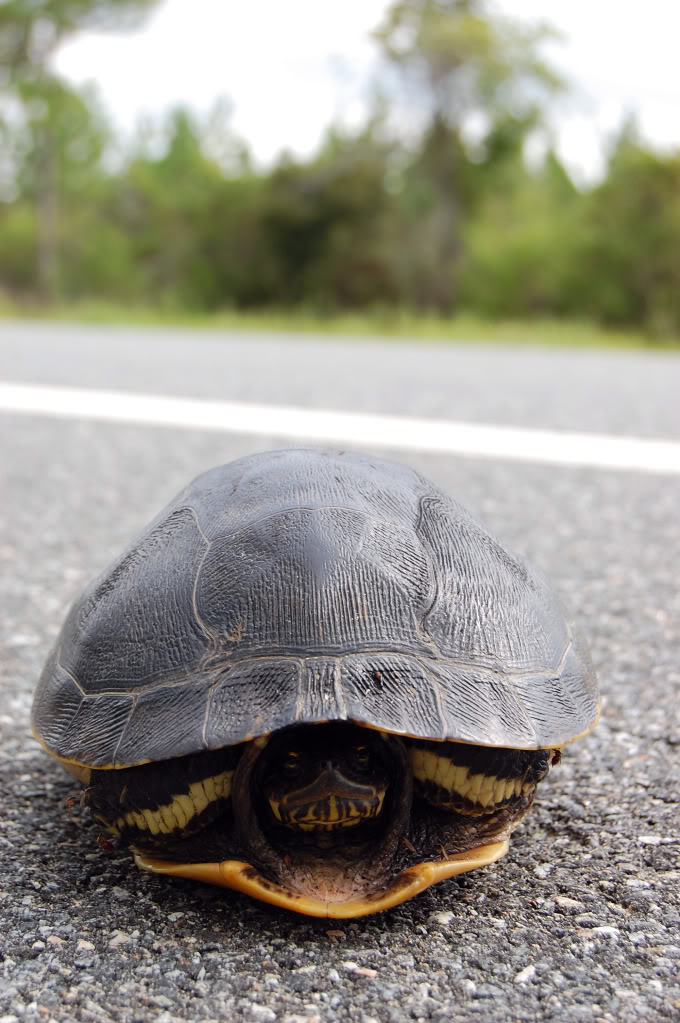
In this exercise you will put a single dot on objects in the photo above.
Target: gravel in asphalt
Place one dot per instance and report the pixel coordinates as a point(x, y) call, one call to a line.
point(581, 921)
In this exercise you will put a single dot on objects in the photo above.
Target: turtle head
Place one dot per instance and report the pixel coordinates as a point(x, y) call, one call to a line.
point(324, 780)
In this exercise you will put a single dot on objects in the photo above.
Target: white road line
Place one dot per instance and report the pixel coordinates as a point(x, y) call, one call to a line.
point(554, 447)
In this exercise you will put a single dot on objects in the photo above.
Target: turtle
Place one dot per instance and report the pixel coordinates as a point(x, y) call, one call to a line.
point(317, 679)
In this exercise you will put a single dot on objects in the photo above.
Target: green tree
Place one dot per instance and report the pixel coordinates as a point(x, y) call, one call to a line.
point(325, 220)
point(521, 246)
point(158, 202)
point(627, 269)
point(458, 61)
point(30, 33)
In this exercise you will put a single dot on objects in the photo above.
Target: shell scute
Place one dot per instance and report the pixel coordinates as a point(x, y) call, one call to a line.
point(166, 718)
point(135, 625)
point(93, 734)
point(57, 701)
point(311, 581)
point(491, 607)
point(252, 698)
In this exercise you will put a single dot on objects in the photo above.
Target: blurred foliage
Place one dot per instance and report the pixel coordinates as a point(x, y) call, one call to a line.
point(31, 30)
point(447, 220)
point(53, 128)
point(456, 62)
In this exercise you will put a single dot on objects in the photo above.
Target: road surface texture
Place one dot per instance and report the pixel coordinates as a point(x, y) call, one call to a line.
point(581, 921)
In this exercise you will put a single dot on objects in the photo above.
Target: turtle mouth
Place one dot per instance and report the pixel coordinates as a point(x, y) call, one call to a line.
point(331, 802)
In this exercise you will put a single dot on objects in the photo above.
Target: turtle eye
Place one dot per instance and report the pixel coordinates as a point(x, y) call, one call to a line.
point(292, 762)
point(361, 756)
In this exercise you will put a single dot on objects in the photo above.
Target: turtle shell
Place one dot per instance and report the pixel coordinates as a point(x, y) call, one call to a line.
point(303, 586)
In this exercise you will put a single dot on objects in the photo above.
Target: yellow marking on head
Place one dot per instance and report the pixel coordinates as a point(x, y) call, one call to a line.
point(275, 804)
point(348, 822)
point(339, 813)
point(175, 816)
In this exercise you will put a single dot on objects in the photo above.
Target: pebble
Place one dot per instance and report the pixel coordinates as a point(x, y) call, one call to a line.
point(525, 975)
point(119, 938)
point(564, 902)
point(489, 991)
point(162, 1001)
point(261, 1013)
point(587, 920)
point(444, 917)
point(359, 971)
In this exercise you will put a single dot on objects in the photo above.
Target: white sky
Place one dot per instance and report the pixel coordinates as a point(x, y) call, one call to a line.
point(291, 66)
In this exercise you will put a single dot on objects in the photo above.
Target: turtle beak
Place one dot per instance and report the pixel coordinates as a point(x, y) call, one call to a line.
point(330, 801)
point(330, 782)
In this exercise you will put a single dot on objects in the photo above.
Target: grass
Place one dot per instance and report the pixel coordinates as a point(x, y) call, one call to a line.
point(393, 324)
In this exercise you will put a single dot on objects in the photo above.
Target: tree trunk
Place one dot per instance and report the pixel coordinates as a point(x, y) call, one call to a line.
point(48, 216)
point(440, 164)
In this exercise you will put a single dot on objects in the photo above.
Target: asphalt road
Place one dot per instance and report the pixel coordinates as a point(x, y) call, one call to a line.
point(580, 922)
point(628, 393)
